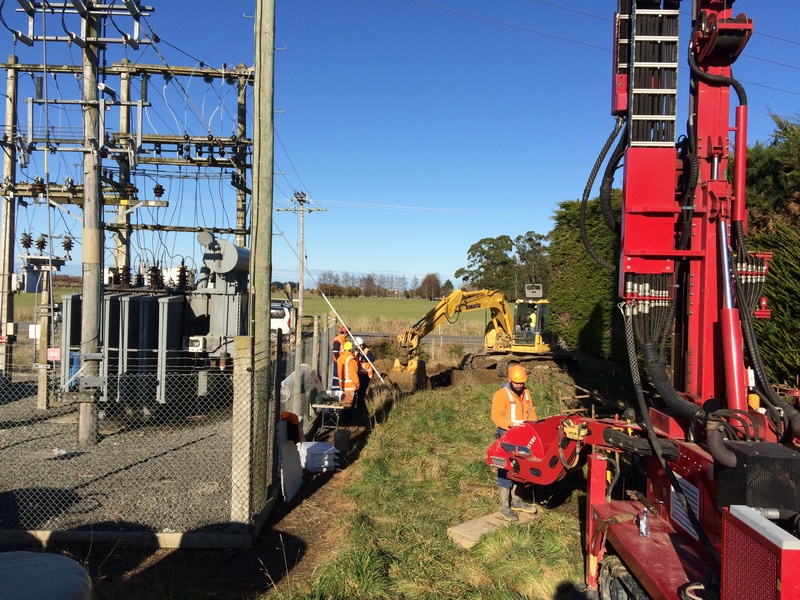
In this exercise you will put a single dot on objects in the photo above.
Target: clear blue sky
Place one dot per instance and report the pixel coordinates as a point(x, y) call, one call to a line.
point(424, 127)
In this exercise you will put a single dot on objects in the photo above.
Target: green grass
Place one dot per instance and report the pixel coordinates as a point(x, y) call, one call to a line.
point(25, 303)
point(391, 315)
point(422, 471)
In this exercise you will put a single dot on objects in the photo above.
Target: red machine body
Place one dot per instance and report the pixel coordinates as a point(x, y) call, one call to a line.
point(723, 474)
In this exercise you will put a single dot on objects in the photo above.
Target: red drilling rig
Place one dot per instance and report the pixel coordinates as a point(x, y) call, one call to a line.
point(720, 445)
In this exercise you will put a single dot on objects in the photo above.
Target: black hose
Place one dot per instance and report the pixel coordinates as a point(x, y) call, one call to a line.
point(716, 79)
point(607, 184)
point(717, 448)
point(640, 446)
point(656, 445)
point(791, 417)
point(661, 381)
point(585, 199)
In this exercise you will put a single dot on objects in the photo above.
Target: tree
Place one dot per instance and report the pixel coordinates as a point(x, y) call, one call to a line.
point(368, 286)
point(773, 196)
point(773, 175)
point(430, 288)
point(582, 295)
point(490, 265)
point(534, 260)
point(401, 285)
point(447, 288)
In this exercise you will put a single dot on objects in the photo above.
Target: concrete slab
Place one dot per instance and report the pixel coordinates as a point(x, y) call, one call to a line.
point(468, 534)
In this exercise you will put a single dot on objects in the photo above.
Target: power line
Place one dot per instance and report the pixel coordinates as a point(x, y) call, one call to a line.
point(512, 26)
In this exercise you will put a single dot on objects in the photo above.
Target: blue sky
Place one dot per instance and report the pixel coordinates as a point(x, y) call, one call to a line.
point(423, 127)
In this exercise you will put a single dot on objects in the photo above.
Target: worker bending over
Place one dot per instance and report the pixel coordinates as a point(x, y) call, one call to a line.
point(512, 405)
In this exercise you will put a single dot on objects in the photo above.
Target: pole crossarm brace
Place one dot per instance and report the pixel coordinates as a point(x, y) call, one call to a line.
point(129, 8)
point(176, 228)
point(117, 69)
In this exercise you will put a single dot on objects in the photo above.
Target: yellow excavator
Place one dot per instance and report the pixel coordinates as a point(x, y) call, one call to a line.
point(516, 332)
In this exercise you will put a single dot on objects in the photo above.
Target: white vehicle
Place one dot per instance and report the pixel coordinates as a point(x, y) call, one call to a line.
point(281, 317)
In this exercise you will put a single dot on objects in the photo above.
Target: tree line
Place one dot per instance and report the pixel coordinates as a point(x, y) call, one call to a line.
point(348, 285)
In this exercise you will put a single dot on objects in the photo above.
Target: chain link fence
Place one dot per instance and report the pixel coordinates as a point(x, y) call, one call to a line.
point(181, 456)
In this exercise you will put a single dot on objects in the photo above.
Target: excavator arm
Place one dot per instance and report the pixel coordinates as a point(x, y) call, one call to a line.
point(447, 311)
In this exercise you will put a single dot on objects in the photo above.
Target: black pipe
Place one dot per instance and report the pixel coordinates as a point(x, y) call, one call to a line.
point(716, 446)
point(607, 184)
point(661, 381)
point(717, 79)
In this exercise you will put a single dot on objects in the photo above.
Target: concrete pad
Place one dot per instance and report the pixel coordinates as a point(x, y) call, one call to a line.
point(68, 419)
point(468, 534)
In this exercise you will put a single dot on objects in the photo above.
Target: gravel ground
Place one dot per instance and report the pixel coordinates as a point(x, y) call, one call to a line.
point(155, 475)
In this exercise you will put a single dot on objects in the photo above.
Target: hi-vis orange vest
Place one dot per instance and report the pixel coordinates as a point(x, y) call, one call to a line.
point(348, 372)
point(508, 409)
point(338, 345)
point(364, 364)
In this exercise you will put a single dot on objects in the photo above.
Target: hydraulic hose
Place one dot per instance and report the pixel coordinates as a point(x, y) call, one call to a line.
point(716, 79)
point(658, 374)
point(654, 441)
point(585, 199)
point(687, 209)
point(791, 415)
point(607, 184)
point(715, 435)
point(638, 445)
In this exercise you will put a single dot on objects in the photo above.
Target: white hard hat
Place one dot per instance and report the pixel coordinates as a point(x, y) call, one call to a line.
point(359, 341)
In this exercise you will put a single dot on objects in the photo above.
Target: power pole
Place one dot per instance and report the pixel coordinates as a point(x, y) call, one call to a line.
point(301, 200)
point(92, 256)
point(9, 201)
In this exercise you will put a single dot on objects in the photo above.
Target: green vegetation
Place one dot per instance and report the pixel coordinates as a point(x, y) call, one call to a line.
point(583, 295)
point(506, 265)
point(773, 192)
point(423, 470)
point(391, 315)
point(25, 303)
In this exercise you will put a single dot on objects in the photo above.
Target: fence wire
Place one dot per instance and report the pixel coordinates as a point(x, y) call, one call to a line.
point(176, 451)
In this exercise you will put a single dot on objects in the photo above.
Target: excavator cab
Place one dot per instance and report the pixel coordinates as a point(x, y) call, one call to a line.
point(530, 321)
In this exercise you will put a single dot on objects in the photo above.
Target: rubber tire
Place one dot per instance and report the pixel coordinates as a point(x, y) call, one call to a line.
point(610, 586)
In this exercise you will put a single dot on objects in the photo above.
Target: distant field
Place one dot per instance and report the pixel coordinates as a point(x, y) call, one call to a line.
point(25, 303)
point(375, 315)
point(391, 315)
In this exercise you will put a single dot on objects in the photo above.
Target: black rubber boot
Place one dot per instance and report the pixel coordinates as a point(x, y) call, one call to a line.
point(505, 506)
point(519, 504)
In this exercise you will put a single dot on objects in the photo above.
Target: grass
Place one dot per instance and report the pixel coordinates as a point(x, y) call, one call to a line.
point(392, 315)
point(422, 471)
point(25, 303)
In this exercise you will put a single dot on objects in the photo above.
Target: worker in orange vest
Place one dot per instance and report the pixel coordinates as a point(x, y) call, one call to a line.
point(348, 376)
point(365, 361)
point(338, 342)
point(512, 405)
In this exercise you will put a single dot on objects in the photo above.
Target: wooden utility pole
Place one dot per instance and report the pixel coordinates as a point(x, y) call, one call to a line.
point(241, 157)
point(254, 415)
point(92, 240)
point(9, 200)
point(263, 159)
point(301, 199)
point(122, 236)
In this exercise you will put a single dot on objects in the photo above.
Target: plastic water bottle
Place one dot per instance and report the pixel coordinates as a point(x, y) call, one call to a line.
point(644, 524)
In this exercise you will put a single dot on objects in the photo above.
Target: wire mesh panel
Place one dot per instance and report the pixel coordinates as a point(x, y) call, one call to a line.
point(181, 447)
point(200, 460)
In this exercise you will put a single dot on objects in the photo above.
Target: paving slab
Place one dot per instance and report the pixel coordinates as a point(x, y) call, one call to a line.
point(468, 534)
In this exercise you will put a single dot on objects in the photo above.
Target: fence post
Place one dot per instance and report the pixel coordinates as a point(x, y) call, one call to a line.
point(242, 424)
